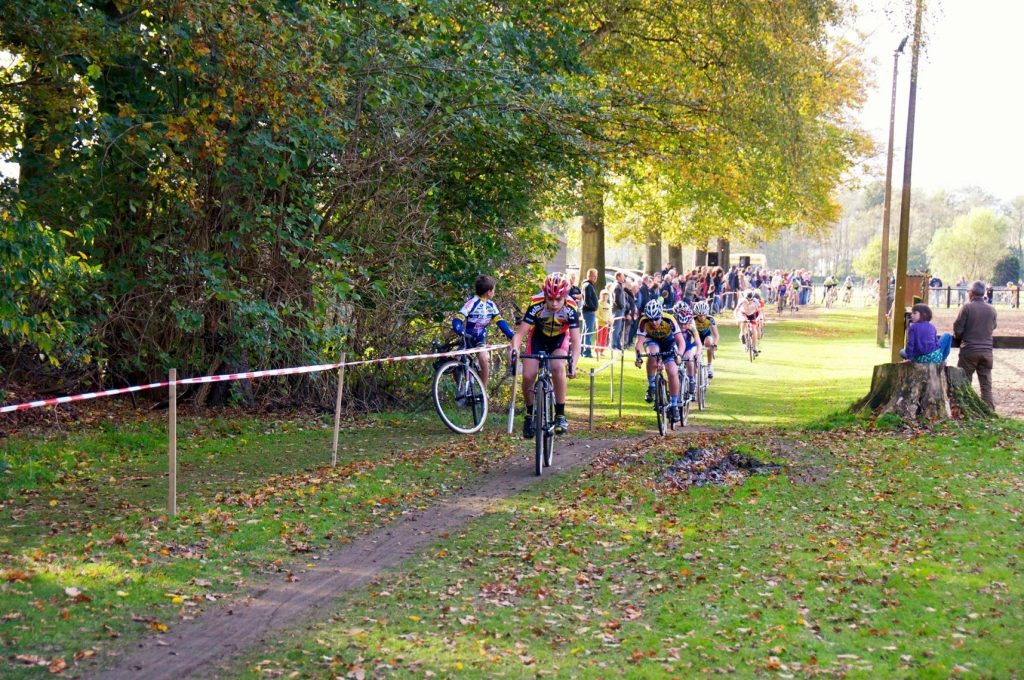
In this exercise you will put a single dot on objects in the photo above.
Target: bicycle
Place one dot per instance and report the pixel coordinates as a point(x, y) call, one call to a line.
point(748, 339)
point(459, 395)
point(701, 374)
point(543, 410)
point(781, 307)
point(848, 297)
point(662, 405)
point(830, 297)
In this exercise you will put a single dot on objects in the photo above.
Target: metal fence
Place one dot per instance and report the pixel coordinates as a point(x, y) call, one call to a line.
point(954, 297)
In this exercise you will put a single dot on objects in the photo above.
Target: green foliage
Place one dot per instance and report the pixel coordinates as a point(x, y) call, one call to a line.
point(1007, 270)
point(868, 262)
point(263, 181)
point(969, 247)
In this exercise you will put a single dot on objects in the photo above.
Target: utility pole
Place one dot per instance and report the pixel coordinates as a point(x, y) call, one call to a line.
point(899, 324)
point(883, 276)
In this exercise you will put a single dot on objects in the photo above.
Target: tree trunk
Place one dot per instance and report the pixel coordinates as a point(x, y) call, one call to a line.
point(675, 256)
point(928, 391)
point(723, 254)
point(652, 258)
point(592, 232)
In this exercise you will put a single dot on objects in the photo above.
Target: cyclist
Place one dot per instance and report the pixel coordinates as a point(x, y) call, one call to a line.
point(552, 325)
point(748, 312)
point(707, 331)
point(830, 284)
point(684, 317)
point(761, 316)
point(848, 294)
point(659, 332)
point(795, 287)
point(474, 316)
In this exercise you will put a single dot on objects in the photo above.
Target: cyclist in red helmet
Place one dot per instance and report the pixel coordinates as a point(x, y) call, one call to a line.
point(552, 325)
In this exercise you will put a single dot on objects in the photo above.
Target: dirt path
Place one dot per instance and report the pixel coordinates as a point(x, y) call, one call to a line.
point(204, 646)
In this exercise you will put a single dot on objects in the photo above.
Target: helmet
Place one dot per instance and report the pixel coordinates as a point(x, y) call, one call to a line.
point(749, 295)
point(683, 313)
point(653, 309)
point(555, 286)
point(701, 308)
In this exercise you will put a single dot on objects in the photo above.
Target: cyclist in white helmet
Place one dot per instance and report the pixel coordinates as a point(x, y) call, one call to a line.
point(707, 330)
point(684, 315)
point(748, 312)
point(659, 332)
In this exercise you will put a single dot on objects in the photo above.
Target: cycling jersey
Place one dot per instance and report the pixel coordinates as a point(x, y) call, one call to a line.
point(475, 315)
point(666, 327)
point(704, 327)
point(551, 324)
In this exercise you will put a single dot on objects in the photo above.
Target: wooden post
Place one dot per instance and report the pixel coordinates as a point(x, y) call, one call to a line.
point(337, 411)
point(172, 443)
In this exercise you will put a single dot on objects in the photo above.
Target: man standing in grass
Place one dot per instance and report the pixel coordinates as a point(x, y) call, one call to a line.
point(973, 327)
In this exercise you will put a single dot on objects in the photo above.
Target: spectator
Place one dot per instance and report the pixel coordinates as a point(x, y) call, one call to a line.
point(923, 343)
point(972, 332)
point(961, 289)
point(648, 290)
point(590, 302)
point(618, 309)
point(668, 295)
point(733, 282)
point(574, 291)
point(935, 284)
point(604, 318)
point(632, 289)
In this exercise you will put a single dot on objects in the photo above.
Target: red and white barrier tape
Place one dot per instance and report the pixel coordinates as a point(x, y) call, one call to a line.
point(235, 376)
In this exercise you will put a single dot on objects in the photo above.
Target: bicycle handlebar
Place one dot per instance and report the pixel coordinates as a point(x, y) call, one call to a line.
point(542, 355)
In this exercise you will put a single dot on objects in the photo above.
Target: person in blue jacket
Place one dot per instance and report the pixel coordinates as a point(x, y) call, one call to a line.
point(473, 318)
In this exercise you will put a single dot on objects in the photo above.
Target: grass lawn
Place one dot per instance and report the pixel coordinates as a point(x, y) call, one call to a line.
point(88, 556)
point(905, 562)
point(809, 368)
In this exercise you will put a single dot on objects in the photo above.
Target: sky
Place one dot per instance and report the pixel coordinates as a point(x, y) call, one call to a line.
point(969, 122)
point(969, 126)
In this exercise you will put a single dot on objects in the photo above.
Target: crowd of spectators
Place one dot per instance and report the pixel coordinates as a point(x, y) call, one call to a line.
point(615, 311)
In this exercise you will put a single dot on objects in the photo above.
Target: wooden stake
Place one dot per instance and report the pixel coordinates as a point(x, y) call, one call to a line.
point(172, 443)
point(337, 411)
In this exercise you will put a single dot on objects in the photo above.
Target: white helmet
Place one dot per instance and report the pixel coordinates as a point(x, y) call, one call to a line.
point(653, 309)
point(701, 308)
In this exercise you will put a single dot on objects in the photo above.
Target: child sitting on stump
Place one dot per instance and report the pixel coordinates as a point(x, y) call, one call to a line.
point(924, 346)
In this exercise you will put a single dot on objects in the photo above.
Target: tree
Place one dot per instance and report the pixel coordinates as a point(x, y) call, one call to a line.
point(970, 246)
point(868, 261)
point(733, 116)
point(1007, 270)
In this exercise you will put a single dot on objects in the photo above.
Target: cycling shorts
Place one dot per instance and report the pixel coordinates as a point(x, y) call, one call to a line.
point(752, 317)
point(549, 344)
point(663, 345)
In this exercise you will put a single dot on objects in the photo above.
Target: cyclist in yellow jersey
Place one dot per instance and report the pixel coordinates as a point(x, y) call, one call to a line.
point(659, 332)
point(707, 330)
point(552, 325)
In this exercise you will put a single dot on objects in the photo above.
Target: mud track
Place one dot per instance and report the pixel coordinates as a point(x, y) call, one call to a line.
point(204, 646)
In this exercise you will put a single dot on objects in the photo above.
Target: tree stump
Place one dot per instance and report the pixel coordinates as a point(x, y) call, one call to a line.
point(927, 391)
point(909, 390)
point(964, 401)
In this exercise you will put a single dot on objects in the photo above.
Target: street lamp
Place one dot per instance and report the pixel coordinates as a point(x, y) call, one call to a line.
point(883, 276)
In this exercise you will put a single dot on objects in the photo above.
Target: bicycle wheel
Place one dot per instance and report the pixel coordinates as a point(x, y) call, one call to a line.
point(702, 385)
point(459, 397)
point(549, 434)
point(684, 405)
point(661, 403)
point(750, 342)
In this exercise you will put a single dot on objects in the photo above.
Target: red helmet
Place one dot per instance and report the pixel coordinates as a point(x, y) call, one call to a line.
point(555, 286)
